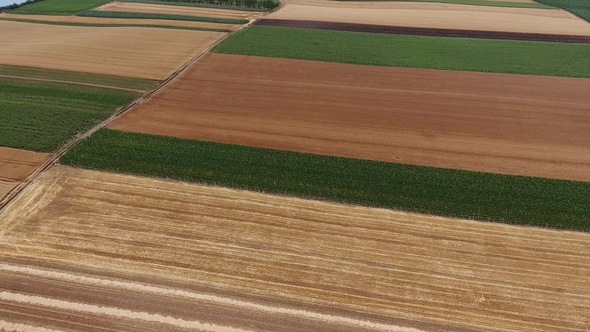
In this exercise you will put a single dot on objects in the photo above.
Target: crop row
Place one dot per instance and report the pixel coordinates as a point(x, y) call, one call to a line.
point(109, 14)
point(482, 55)
point(465, 194)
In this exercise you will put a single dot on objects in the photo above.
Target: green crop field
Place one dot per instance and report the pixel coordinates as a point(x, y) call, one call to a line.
point(100, 13)
point(248, 5)
point(41, 116)
point(474, 2)
point(59, 7)
point(481, 196)
point(483, 55)
point(76, 77)
point(99, 25)
point(578, 7)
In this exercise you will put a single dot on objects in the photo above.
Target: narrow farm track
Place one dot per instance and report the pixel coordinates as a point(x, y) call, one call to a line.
point(228, 258)
point(510, 124)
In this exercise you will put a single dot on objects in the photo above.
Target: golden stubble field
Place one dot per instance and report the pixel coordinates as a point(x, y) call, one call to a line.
point(16, 165)
point(178, 255)
point(130, 51)
point(444, 16)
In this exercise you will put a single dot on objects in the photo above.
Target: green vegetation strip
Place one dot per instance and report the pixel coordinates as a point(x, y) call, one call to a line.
point(482, 55)
point(233, 5)
point(473, 2)
point(108, 25)
point(42, 116)
point(578, 7)
point(481, 196)
point(76, 77)
point(58, 7)
point(100, 13)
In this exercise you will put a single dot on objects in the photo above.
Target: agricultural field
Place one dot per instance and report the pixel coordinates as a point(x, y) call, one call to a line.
point(446, 16)
point(120, 22)
point(131, 15)
point(183, 256)
point(464, 54)
point(134, 52)
point(132, 7)
point(59, 7)
point(494, 3)
point(15, 166)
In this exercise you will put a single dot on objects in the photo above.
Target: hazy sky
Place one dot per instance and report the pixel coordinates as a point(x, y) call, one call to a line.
point(9, 2)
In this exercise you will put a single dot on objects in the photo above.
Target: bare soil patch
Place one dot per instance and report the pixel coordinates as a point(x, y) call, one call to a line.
point(131, 7)
point(178, 255)
point(16, 165)
point(511, 124)
point(423, 31)
point(133, 52)
point(104, 20)
point(443, 16)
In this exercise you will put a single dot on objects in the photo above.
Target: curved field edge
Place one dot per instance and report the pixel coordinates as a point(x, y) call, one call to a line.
point(77, 77)
point(114, 14)
point(580, 8)
point(446, 53)
point(471, 2)
point(99, 25)
point(454, 193)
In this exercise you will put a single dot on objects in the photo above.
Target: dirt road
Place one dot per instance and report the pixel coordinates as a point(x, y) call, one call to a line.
point(513, 124)
point(132, 253)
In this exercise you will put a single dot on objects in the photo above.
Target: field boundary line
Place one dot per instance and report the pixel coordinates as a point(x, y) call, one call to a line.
point(5, 202)
point(71, 82)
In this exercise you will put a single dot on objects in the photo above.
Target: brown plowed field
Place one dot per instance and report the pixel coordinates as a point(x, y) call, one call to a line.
point(135, 52)
point(513, 124)
point(16, 165)
point(104, 20)
point(423, 31)
point(6, 187)
point(445, 16)
point(178, 10)
point(133, 253)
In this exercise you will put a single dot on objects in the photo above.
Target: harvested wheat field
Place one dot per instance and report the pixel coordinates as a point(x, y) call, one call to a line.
point(377, 4)
point(105, 20)
point(134, 52)
point(182, 255)
point(512, 124)
point(15, 166)
point(131, 7)
point(445, 16)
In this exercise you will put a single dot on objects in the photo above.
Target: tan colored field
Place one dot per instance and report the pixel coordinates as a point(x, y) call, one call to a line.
point(130, 7)
point(447, 16)
point(377, 4)
point(15, 166)
point(135, 52)
point(513, 124)
point(104, 20)
point(6, 187)
point(181, 255)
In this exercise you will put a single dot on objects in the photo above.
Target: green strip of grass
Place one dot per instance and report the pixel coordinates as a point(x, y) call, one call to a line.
point(481, 196)
point(42, 116)
point(58, 7)
point(578, 7)
point(100, 25)
point(109, 14)
point(473, 2)
point(221, 5)
point(483, 55)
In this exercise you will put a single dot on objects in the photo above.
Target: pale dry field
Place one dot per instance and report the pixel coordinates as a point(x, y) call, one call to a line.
point(180, 255)
point(134, 52)
point(131, 7)
point(375, 4)
point(105, 20)
point(16, 165)
point(498, 123)
point(444, 16)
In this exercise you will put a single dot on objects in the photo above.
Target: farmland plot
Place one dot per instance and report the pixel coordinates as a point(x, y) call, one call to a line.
point(134, 52)
point(511, 124)
point(447, 16)
point(180, 255)
point(15, 166)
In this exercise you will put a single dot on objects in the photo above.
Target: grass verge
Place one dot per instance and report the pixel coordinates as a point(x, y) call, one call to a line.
point(481, 196)
point(482, 55)
point(103, 25)
point(41, 116)
point(233, 6)
point(109, 14)
point(474, 3)
point(58, 7)
point(578, 7)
